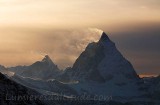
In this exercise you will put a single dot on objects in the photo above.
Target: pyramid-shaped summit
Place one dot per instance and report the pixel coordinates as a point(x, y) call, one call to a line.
point(44, 69)
point(104, 37)
point(102, 62)
point(101, 69)
point(47, 60)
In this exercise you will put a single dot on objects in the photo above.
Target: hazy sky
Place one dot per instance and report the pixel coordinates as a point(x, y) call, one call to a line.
point(62, 28)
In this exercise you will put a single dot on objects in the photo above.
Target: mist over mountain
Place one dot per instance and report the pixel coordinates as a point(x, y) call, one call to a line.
point(101, 61)
point(100, 70)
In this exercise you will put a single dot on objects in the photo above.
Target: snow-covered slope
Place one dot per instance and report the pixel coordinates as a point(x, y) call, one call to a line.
point(51, 87)
point(5, 71)
point(101, 62)
point(44, 69)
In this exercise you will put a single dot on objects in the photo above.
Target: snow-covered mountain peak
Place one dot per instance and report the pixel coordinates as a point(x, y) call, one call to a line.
point(102, 62)
point(44, 69)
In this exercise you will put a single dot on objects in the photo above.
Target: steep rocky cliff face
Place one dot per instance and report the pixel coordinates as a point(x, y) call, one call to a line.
point(101, 62)
point(101, 69)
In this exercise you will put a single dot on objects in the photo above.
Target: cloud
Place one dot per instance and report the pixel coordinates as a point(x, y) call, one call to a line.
point(73, 13)
point(64, 46)
point(138, 42)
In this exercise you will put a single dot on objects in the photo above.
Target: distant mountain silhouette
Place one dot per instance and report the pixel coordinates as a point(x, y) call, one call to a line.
point(44, 69)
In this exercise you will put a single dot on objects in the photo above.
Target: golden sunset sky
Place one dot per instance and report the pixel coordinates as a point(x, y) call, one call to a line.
point(29, 29)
